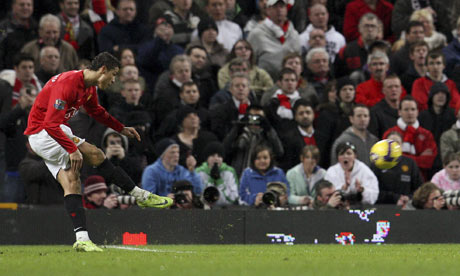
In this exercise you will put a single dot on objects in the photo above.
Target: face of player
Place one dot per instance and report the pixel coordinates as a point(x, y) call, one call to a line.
point(419, 55)
point(216, 9)
point(215, 158)
point(70, 7)
point(198, 58)
point(127, 58)
point(295, 64)
point(319, 64)
point(190, 94)
point(242, 50)
point(304, 116)
point(97, 197)
point(434, 195)
point(392, 89)
point(439, 99)
point(435, 67)
point(23, 9)
point(308, 162)
point(25, 71)
point(171, 156)
point(182, 71)
point(126, 11)
point(106, 78)
point(319, 16)
point(50, 33)
point(262, 161)
point(408, 112)
point(129, 72)
point(347, 93)
point(239, 89)
point(416, 34)
point(49, 62)
point(288, 83)
point(453, 170)
point(378, 68)
point(360, 118)
point(347, 160)
point(278, 13)
point(132, 93)
point(191, 121)
point(317, 39)
point(369, 29)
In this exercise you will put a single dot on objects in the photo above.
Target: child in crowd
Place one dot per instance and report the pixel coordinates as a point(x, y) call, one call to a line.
point(449, 177)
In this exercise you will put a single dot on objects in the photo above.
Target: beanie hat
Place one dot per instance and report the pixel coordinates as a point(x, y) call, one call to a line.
point(183, 112)
point(342, 82)
point(213, 148)
point(94, 183)
point(439, 87)
point(164, 20)
point(163, 145)
point(206, 24)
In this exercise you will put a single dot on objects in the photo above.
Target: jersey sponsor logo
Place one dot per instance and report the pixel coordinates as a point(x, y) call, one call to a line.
point(70, 113)
point(405, 168)
point(59, 104)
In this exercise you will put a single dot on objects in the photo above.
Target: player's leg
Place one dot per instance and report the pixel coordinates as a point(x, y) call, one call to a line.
point(95, 157)
point(70, 182)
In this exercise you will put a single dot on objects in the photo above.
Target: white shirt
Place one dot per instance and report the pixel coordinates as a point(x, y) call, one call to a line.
point(334, 40)
point(229, 33)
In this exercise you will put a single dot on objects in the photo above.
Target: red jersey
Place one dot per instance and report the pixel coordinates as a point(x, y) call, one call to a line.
point(60, 100)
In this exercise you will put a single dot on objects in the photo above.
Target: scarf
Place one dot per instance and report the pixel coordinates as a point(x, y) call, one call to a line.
point(410, 133)
point(279, 31)
point(286, 102)
point(242, 108)
point(69, 32)
point(17, 90)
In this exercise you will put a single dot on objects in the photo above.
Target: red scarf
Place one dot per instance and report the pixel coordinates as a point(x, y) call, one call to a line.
point(284, 101)
point(309, 140)
point(285, 28)
point(69, 34)
point(242, 108)
point(409, 135)
point(17, 90)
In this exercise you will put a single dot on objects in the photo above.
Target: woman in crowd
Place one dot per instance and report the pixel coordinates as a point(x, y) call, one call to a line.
point(435, 40)
point(352, 176)
point(303, 177)
point(428, 196)
point(449, 177)
point(262, 171)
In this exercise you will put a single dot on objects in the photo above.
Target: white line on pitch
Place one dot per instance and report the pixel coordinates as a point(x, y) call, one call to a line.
point(147, 250)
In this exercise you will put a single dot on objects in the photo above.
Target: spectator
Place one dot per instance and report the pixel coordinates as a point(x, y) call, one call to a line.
point(304, 177)
point(414, 33)
point(418, 142)
point(420, 90)
point(299, 134)
point(317, 39)
point(98, 13)
point(142, 150)
point(95, 194)
point(159, 7)
point(396, 185)
point(126, 57)
point(370, 92)
point(167, 88)
point(16, 30)
point(353, 56)
point(190, 138)
point(183, 21)
point(251, 130)
point(235, 13)
point(438, 118)
point(274, 37)
point(319, 71)
point(189, 95)
point(256, 177)
point(449, 177)
point(124, 30)
point(449, 141)
point(49, 35)
point(13, 124)
point(452, 55)
point(327, 197)
point(417, 68)
point(427, 196)
point(352, 176)
point(49, 63)
point(131, 93)
point(207, 37)
point(39, 184)
point(260, 79)
point(183, 195)
point(75, 30)
point(319, 18)
point(160, 176)
point(357, 134)
point(334, 117)
point(355, 10)
point(215, 172)
point(435, 40)
point(155, 54)
point(256, 18)
point(385, 113)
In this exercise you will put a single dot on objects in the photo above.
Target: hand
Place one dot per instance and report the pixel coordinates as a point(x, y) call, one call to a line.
point(26, 100)
point(115, 150)
point(426, 152)
point(111, 201)
point(358, 186)
point(334, 200)
point(258, 200)
point(190, 162)
point(403, 200)
point(116, 48)
point(439, 203)
point(306, 200)
point(347, 181)
point(76, 161)
point(131, 132)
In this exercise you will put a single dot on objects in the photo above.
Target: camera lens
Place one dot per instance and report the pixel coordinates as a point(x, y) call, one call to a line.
point(211, 194)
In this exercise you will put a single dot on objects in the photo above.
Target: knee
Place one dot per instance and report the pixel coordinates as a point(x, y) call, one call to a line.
point(70, 182)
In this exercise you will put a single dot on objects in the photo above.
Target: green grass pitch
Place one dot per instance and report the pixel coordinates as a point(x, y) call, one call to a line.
point(276, 259)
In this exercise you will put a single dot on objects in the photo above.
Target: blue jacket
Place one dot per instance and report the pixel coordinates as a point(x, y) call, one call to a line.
point(252, 183)
point(158, 180)
point(452, 54)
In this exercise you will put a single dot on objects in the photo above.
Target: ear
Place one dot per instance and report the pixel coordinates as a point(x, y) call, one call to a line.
point(102, 69)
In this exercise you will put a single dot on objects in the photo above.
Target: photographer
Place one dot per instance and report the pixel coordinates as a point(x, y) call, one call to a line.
point(216, 173)
point(253, 129)
point(275, 197)
point(95, 194)
point(182, 193)
point(327, 197)
point(427, 196)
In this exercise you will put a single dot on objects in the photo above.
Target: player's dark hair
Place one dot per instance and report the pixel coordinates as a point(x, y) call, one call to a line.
point(104, 59)
point(22, 57)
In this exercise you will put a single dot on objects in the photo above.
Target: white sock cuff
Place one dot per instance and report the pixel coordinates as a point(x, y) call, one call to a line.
point(82, 236)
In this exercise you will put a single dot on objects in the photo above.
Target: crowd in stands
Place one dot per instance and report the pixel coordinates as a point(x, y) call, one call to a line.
point(265, 103)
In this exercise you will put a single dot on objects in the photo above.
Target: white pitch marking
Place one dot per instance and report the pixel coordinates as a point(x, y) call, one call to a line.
point(147, 250)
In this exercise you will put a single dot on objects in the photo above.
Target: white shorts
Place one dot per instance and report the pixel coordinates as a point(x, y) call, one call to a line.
point(55, 156)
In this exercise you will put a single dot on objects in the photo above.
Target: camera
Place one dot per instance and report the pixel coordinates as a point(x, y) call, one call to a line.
point(179, 189)
point(180, 197)
point(350, 197)
point(254, 120)
point(274, 191)
point(452, 197)
point(211, 194)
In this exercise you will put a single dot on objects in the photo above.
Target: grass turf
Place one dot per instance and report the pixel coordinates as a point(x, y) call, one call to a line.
point(412, 259)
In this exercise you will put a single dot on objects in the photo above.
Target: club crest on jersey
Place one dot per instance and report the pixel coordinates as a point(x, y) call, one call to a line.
point(59, 104)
